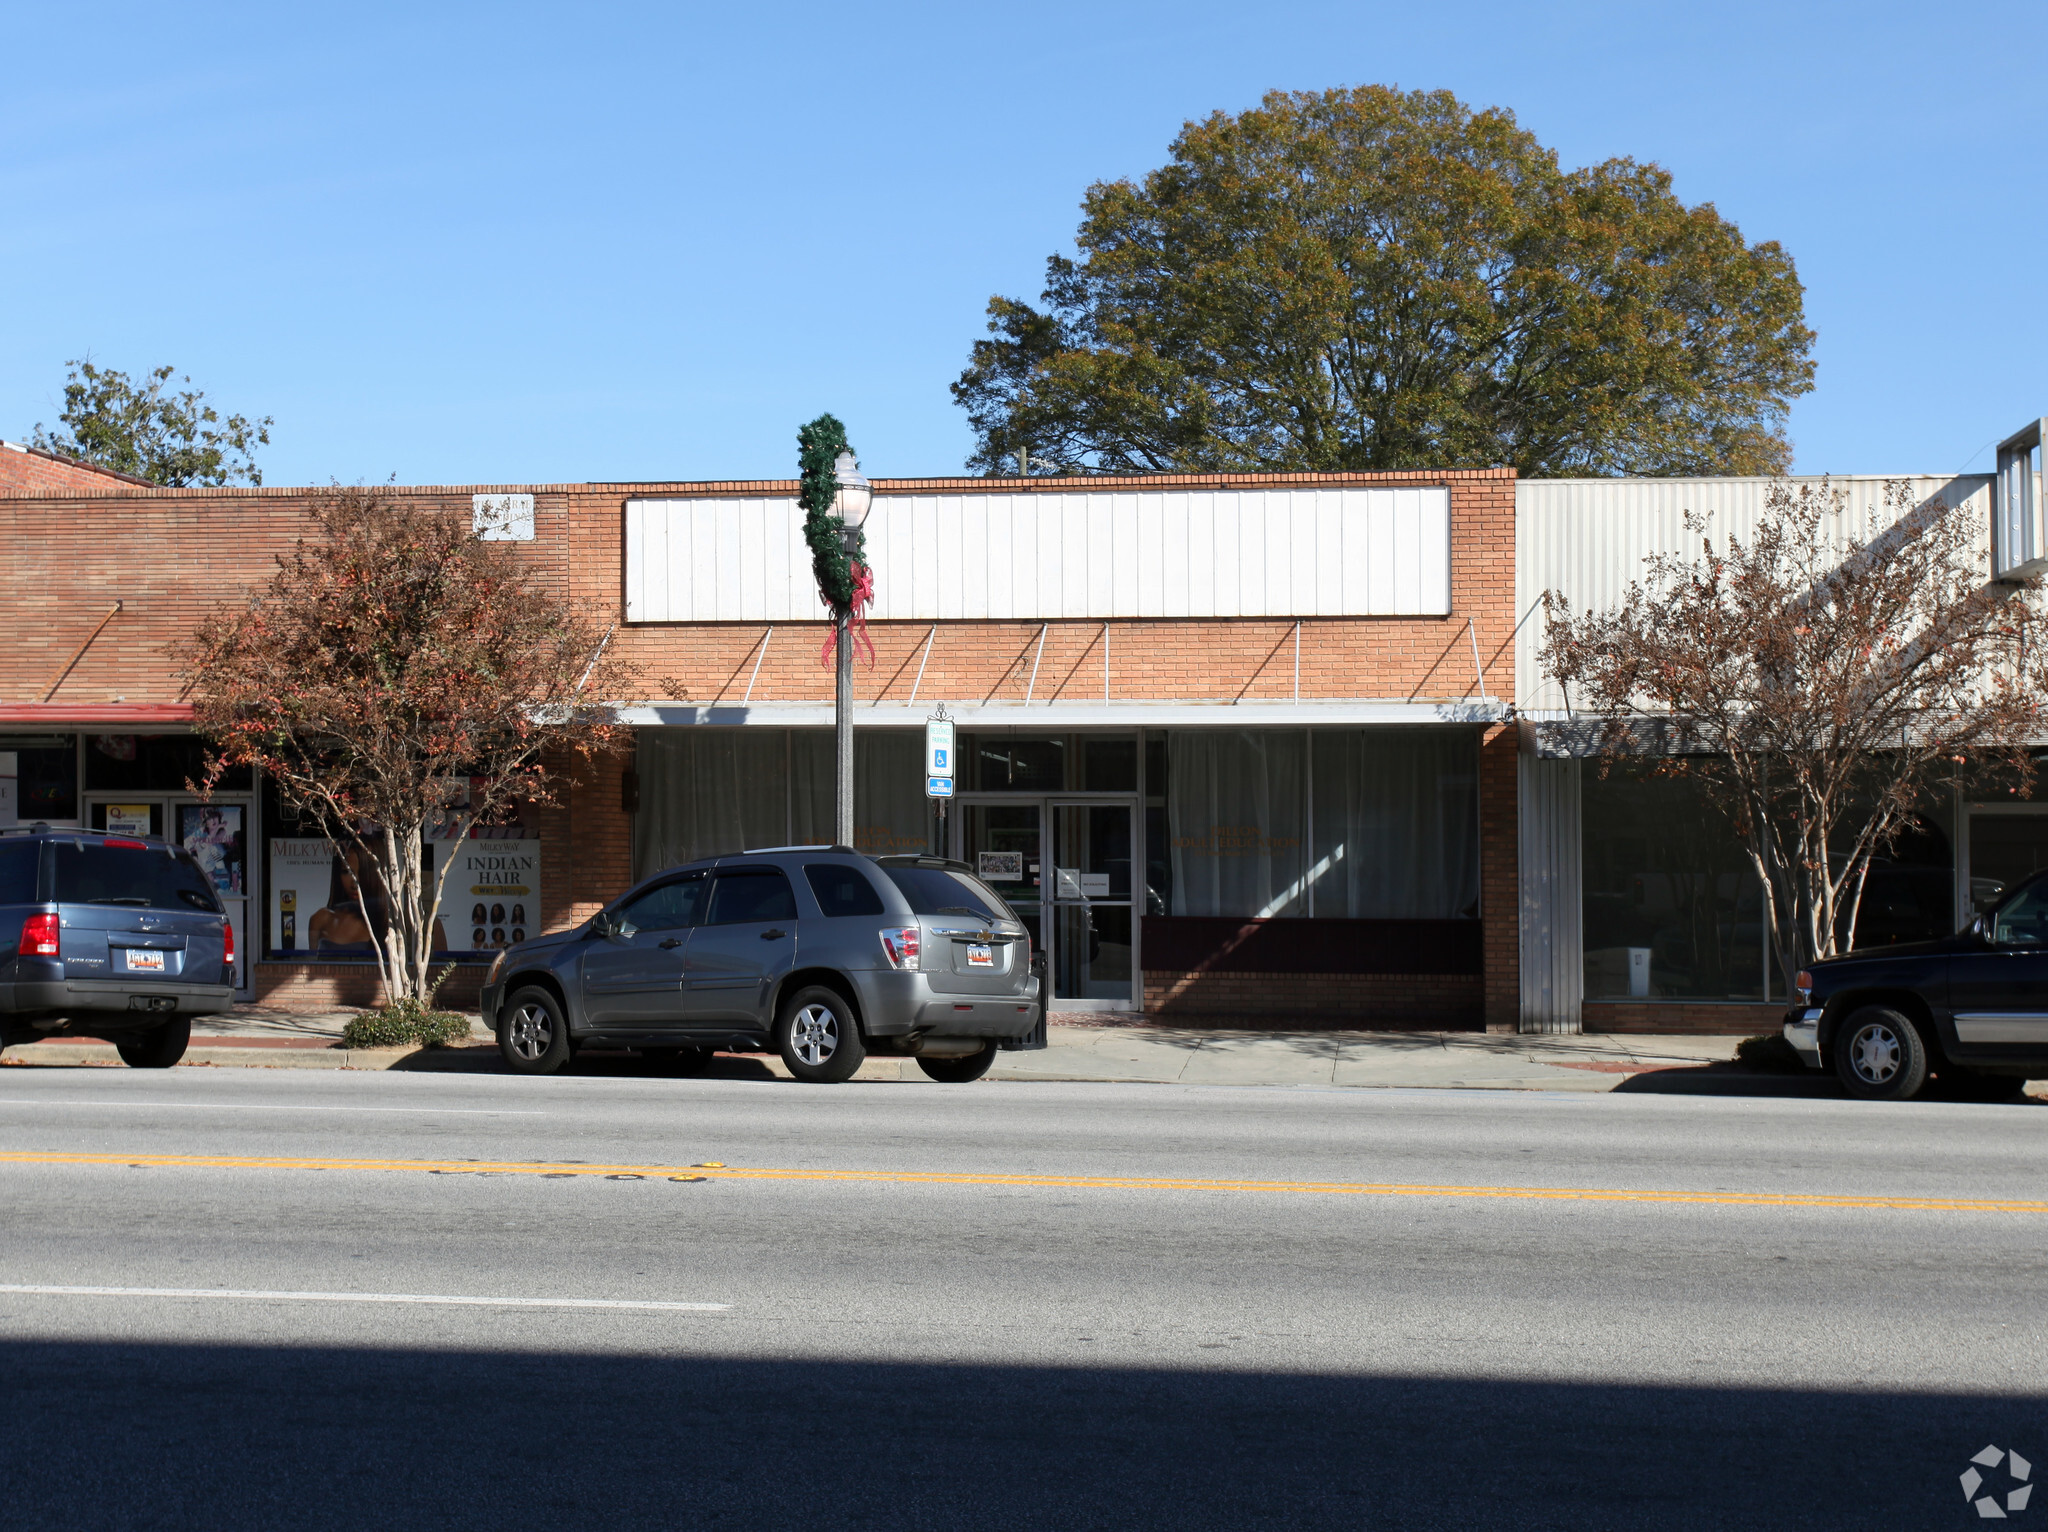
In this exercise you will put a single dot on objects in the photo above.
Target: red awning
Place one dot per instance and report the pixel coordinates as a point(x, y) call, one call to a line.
point(111, 716)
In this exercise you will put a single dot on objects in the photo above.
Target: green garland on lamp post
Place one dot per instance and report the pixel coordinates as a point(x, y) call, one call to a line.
point(834, 549)
point(835, 500)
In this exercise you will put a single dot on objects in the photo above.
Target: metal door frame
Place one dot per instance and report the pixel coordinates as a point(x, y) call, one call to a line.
point(1045, 803)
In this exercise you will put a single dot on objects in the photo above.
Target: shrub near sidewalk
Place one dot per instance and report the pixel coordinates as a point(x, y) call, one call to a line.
point(405, 1022)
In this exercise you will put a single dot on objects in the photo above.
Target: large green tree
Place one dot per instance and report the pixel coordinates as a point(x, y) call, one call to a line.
point(1367, 279)
point(155, 433)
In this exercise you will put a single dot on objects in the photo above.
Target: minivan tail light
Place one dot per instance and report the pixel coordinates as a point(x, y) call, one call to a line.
point(902, 944)
point(227, 932)
point(39, 936)
point(127, 845)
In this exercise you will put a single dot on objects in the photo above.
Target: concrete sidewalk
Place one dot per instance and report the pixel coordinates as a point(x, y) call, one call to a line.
point(1135, 1053)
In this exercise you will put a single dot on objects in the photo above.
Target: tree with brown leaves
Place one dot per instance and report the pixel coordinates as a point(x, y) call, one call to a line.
point(1819, 685)
point(393, 653)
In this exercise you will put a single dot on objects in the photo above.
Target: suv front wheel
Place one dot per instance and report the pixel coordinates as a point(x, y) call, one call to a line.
point(1880, 1056)
point(817, 1036)
point(532, 1035)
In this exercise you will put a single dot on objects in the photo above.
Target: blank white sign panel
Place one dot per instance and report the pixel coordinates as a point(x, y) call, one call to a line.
point(1045, 556)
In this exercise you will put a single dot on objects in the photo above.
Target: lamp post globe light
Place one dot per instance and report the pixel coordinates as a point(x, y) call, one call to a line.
point(850, 502)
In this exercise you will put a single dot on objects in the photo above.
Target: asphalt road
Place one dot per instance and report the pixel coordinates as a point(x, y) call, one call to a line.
point(1017, 1346)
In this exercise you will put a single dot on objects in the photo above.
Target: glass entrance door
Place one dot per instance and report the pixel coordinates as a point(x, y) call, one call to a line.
point(1002, 846)
point(1065, 867)
point(1093, 950)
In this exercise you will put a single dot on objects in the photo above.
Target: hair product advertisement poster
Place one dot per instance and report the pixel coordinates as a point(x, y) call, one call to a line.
point(328, 906)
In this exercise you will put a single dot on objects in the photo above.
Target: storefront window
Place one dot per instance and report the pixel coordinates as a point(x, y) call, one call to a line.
point(1237, 821)
point(709, 792)
point(1396, 824)
point(152, 763)
point(891, 815)
point(1673, 907)
point(46, 777)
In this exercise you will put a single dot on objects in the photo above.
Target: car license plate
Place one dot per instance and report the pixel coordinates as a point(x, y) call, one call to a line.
point(142, 960)
point(979, 956)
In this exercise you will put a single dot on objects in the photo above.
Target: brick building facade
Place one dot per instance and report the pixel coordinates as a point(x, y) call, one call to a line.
point(1336, 699)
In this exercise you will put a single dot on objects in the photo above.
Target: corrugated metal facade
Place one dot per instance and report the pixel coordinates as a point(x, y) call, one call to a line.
point(1588, 538)
point(1550, 860)
point(1043, 556)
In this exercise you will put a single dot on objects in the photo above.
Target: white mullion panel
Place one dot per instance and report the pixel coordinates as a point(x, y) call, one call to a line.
point(753, 548)
point(1407, 549)
point(1436, 551)
point(1247, 550)
point(1330, 570)
point(1380, 561)
point(1354, 520)
point(950, 557)
point(978, 562)
point(1024, 528)
point(924, 557)
point(1049, 520)
point(1148, 555)
point(896, 553)
point(1277, 516)
point(1204, 538)
point(1101, 515)
point(953, 560)
point(778, 526)
point(729, 595)
point(694, 539)
point(1003, 571)
point(675, 540)
point(636, 561)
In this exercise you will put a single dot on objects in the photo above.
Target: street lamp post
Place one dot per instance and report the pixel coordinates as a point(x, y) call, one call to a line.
point(850, 504)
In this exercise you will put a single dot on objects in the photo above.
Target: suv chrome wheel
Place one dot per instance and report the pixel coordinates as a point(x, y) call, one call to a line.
point(532, 1036)
point(529, 1032)
point(1874, 1054)
point(814, 1034)
point(818, 1037)
point(1879, 1055)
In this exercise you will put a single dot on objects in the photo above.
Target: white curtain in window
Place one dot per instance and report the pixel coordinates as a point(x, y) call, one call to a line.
point(1235, 802)
point(705, 792)
point(891, 814)
point(1396, 823)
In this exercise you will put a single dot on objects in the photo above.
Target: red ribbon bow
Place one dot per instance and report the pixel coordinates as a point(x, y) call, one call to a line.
point(863, 595)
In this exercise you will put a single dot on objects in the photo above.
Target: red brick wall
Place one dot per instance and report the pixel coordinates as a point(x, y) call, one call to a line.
point(1449, 1002)
point(1678, 1017)
point(24, 470)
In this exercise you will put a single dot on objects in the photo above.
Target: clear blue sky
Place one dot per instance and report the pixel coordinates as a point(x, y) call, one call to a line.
point(509, 242)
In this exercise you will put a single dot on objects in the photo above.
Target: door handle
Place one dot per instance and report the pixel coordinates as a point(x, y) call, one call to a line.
point(772, 935)
point(673, 941)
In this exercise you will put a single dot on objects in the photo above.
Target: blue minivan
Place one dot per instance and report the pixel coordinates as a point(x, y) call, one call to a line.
point(113, 936)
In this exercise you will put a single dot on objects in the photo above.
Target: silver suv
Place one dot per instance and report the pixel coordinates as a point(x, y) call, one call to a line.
point(818, 953)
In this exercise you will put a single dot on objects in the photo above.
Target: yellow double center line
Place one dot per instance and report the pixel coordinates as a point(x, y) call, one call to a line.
point(718, 1172)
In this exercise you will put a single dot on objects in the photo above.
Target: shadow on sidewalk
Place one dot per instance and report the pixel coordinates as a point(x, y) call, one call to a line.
point(212, 1436)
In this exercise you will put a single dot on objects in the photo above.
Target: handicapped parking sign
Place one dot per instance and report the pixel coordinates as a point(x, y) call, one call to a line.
point(938, 787)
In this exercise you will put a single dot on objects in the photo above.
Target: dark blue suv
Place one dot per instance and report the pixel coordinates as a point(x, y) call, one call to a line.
point(111, 936)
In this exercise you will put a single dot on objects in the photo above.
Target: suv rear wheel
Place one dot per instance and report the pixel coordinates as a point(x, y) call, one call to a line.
point(1880, 1055)
point(817, 1036)
point(958, 1071)
point(532, 1036)
point(157, 1048)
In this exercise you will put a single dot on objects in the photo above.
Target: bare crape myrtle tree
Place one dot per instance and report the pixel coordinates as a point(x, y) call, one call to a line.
point(400, 674)
point(1819, 686)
